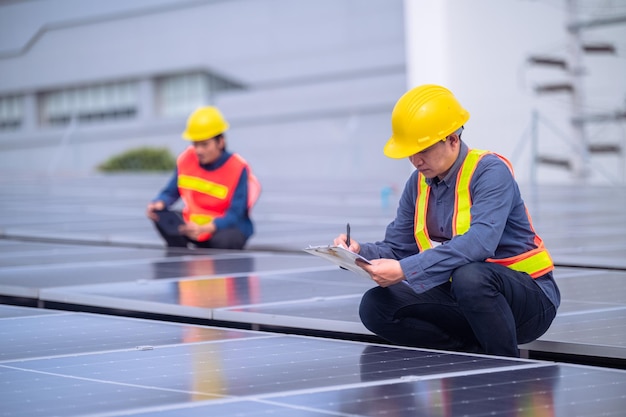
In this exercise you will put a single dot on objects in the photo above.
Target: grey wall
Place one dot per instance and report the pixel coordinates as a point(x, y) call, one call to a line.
point(321, 79)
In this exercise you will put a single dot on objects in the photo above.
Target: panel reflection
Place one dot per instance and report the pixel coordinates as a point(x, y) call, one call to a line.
point(213, 292)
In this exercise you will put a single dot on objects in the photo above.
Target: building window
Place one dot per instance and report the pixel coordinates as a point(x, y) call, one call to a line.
point(97, 103)
point(11, 113)
point(180, 94)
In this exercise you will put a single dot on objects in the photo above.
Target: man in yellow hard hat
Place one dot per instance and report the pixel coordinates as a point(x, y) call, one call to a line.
point(460, 267)
point(216, 186)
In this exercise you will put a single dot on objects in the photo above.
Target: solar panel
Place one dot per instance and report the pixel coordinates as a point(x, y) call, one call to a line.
point(200, 297)
point(327, 299)
point(93, 365)
point(69, 251)
point(73, 333)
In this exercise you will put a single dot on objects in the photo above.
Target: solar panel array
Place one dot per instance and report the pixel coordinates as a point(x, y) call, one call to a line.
point(83, 244)
point(78, 364)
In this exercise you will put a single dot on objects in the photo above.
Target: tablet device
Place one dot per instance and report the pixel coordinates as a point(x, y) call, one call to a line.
point(169, 221)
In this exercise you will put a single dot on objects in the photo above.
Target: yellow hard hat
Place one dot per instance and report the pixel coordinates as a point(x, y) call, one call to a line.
point(422, 117)
point(205, 123)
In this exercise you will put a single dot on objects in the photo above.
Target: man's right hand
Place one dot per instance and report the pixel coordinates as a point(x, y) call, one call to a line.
point(342, 240)
point(154, 206)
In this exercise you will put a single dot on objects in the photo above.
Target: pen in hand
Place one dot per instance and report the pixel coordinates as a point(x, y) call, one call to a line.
point(348, 235)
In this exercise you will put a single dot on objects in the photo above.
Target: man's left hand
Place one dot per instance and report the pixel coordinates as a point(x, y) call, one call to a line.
point(384, 272)
point(192, 230)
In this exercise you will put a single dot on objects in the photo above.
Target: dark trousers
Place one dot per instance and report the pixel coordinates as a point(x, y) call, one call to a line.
point(486, 308)
point(231, 238)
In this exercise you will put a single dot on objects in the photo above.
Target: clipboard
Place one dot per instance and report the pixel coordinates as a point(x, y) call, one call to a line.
point(341, 256)
point(169, 221)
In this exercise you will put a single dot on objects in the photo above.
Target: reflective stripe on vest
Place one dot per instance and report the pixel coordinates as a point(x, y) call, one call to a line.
point(421, 233)
point(535, 262)
point(203, 186)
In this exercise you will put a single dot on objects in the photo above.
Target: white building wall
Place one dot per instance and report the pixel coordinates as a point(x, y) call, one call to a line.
point(320, 76)
point(480, 49)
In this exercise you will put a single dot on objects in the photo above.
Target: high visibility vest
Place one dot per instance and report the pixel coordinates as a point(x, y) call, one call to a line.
point(535, 262)
point(208, 194)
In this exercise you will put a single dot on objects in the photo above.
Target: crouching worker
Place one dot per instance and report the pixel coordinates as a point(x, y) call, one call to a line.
point(216, 186)
point(461, 267)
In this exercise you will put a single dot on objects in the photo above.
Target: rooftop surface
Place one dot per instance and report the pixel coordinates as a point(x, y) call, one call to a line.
point(271, 329)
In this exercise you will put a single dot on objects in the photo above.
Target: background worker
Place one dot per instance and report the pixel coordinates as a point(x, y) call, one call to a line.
point(216, 186)
point(460, 267)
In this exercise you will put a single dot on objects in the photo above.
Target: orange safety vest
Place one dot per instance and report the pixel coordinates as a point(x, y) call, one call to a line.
point(535, 262)
point(208, 194)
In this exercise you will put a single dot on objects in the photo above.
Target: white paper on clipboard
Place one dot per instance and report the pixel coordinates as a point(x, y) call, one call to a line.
point(341, 256)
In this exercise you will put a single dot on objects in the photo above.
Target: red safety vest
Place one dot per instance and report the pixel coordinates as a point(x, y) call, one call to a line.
point(535, 262)
point(208, 194)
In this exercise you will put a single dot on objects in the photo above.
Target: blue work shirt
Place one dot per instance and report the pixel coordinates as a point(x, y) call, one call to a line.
point(499, 228)
point(237, 213)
